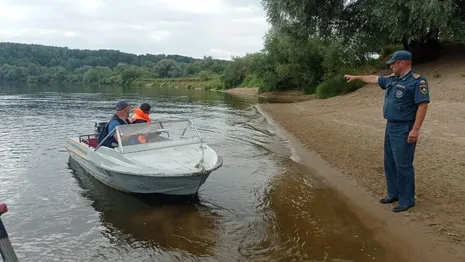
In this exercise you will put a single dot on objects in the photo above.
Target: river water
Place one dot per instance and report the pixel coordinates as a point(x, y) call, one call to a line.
point(259, 206)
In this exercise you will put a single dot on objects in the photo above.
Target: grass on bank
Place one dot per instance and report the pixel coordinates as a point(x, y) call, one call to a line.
point(187, 83)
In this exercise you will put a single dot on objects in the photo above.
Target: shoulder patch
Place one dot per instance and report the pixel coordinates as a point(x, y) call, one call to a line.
point(416, 76)
point(423, 87)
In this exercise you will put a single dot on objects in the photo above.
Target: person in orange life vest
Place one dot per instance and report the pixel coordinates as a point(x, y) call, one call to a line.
point(141, 115)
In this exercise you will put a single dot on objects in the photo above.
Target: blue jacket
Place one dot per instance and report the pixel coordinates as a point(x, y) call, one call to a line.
point(105, 131)
point(403, 94)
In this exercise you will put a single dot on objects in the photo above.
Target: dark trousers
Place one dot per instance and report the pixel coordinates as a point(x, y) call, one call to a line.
point(398, 162)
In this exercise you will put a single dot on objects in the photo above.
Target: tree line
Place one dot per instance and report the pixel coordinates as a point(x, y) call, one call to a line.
point(33, 63)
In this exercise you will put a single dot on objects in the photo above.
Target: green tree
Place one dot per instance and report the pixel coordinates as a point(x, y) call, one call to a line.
point(205, 75)
point(235, 72)
point(32, 69)
point(60, 75)
point(168, 68)
point(129, 74)
point(418, 25)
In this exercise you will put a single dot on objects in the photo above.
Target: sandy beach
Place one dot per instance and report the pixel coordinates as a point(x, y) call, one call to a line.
point(347, 132)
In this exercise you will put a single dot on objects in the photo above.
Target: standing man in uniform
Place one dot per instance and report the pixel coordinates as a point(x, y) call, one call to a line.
point(405, 104)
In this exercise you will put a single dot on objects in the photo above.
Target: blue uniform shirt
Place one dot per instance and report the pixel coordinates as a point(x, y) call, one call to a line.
point(112, 125)
point(402, 95)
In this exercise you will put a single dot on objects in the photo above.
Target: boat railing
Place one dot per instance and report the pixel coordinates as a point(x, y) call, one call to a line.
point(155, 135)
point(176, 134)
point(152, 146)
point(195, 128)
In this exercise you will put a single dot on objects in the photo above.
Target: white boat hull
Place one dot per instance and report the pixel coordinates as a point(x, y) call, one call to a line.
point(181, 184)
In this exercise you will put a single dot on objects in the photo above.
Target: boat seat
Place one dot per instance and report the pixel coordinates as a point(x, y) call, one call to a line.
point(92, 142)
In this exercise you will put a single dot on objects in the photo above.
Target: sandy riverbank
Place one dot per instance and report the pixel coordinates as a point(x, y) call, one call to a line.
point(348, 133)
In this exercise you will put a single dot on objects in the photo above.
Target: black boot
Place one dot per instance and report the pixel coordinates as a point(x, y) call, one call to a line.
point(388, 200)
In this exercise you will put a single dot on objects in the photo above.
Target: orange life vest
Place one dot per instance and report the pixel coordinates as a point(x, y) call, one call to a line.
point(142, 139)
point(140, 115)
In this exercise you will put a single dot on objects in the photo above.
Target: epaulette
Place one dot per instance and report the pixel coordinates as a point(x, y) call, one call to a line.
point(416, 76)
point(391, 75)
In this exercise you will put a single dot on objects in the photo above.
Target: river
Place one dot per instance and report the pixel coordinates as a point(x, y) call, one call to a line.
point(259, 206)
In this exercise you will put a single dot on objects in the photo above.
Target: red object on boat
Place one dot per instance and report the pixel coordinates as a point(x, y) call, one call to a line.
point(3, 208)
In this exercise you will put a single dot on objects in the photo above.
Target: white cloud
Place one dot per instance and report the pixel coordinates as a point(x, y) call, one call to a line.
point(69, 34)
point(222, 54)
point(159, 36)
point(248, 9)
point(190, 6)
point(4, 33)
point(258, 20)
point(220, 28)
point(47, 32)
point(13, 12)
point(90, 6)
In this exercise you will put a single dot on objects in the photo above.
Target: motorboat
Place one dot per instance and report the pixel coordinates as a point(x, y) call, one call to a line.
point(164, 156)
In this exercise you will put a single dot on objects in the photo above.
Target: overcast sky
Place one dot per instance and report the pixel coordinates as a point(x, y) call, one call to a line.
point(220, 28)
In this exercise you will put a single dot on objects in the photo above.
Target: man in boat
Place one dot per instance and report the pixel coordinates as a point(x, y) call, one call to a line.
point(119, 118)
point(141, 115)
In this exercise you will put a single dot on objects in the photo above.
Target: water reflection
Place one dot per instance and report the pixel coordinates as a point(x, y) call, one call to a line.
point(311, 221)
point(163, 95)
point(180, 224)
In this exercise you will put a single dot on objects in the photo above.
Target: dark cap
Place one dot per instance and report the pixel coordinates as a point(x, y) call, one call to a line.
point(121, 105)
point(400, 55)
point(145, 108)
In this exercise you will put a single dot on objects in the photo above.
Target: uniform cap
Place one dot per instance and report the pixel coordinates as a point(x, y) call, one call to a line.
point(400, 55)
point(121, 105)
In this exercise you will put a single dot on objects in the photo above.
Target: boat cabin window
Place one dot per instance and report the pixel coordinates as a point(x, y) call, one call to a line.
point(158, 134)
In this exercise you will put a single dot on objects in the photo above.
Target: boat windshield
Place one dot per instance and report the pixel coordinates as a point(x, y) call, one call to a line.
point(158, 134)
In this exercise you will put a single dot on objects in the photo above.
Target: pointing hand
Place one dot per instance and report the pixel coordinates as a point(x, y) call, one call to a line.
point(350, 78)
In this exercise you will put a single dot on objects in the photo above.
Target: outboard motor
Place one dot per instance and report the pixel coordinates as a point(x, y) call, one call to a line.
point(99, 127)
